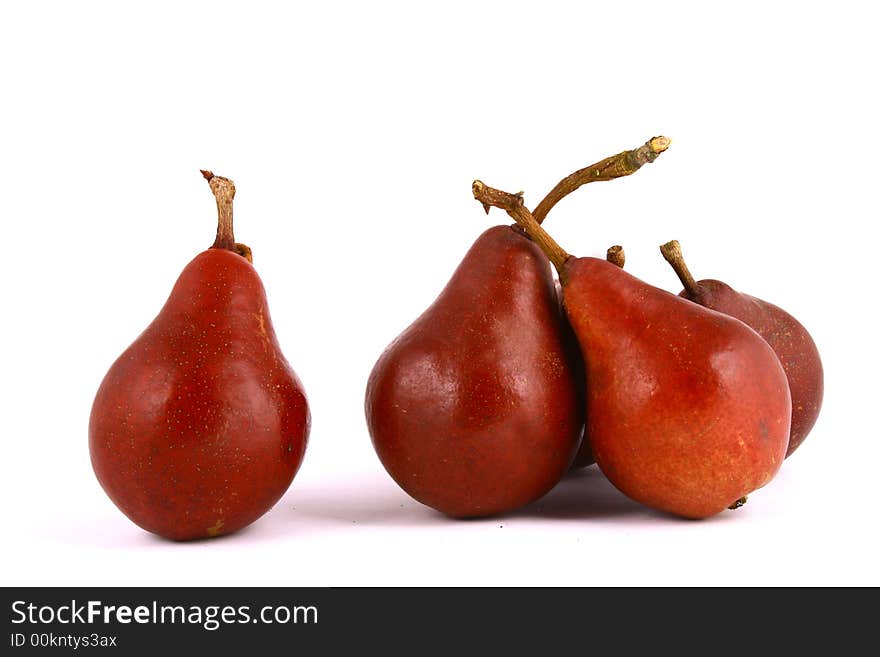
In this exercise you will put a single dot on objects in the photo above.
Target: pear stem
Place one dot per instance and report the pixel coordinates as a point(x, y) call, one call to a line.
point(672, 253)
point(224, 192)
point(616, 166)
point(514, 206)
point(616, 256)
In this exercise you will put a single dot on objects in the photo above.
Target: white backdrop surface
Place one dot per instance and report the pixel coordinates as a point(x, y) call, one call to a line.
point(353, 132)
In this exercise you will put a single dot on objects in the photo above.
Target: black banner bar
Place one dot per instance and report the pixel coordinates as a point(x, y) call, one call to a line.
point(238, 620)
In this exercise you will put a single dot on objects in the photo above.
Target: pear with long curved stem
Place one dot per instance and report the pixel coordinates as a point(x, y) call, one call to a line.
point(786, 335)
point(688, 410)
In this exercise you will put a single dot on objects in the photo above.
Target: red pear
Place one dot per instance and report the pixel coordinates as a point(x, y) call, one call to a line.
point(787, 336)
point(201, 424)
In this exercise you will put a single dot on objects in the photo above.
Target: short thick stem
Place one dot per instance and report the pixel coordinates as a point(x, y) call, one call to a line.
point(514, 206)
point(672, 253)
point(616, 256)
point(616, 166)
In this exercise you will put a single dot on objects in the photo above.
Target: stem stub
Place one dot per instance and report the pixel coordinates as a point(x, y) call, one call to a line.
point(672, 253)
point(616, 256)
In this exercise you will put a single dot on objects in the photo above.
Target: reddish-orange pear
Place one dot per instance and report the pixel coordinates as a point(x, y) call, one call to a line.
point(688, 410)
point(201, 424)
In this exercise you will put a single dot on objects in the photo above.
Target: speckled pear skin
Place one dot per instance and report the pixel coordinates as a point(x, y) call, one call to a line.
point(789, 339)
point(687, 409)
point(199, 427)
point(473, 410)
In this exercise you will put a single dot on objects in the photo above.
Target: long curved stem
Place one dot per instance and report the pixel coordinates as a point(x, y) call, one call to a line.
point(514, 206)
point(616, 166)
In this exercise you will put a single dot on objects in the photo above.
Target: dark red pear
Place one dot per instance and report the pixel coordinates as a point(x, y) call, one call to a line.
point(786, 335)
point(688, 410)
point(473, 410)
point(199, 427)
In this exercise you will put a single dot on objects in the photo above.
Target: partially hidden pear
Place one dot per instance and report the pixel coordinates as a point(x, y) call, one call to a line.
point(199, 427)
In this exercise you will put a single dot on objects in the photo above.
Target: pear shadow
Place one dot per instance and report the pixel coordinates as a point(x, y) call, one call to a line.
point(586, 494)
point(581, 495)
point(122, 533)
point(105, 531)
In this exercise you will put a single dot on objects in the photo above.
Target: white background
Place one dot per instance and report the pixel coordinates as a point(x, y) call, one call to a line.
point(353, 132)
